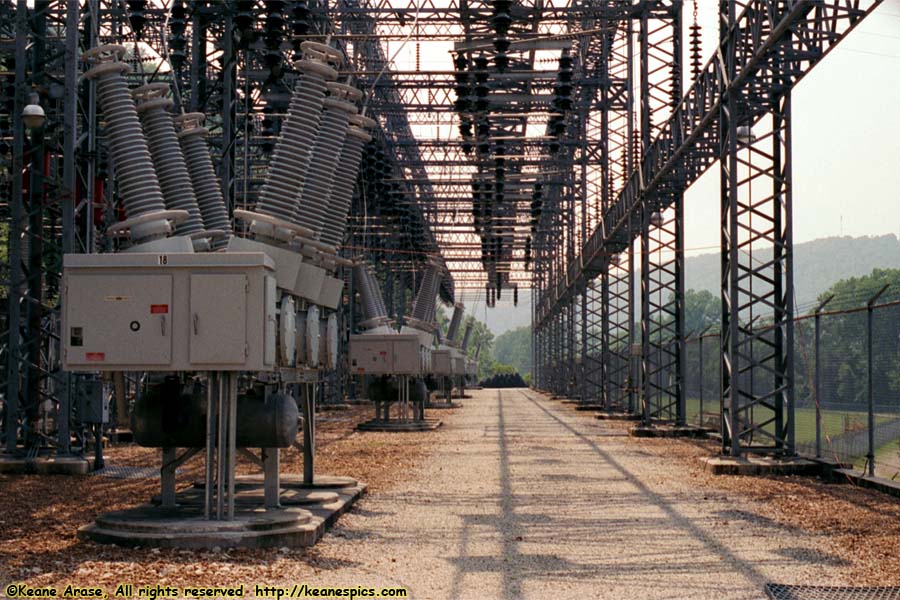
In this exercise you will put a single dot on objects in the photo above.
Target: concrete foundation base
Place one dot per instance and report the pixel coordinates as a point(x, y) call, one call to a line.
point(588, 406)
point(439, 404)
point(410, 425)
point(617, 416)
point(667, 431)
point(295, 481)
point(186, 528)
point(42, 465)
point(760, 465)
point(860, 478)
point(253, 527)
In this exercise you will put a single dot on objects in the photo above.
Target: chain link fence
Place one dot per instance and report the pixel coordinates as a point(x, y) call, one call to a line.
point(847, 385)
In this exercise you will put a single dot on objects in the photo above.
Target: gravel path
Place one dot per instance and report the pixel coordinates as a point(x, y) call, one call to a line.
point(524, 498)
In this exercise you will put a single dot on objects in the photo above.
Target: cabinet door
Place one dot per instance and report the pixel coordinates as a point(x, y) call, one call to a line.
point(218, 320)
point(118, 320)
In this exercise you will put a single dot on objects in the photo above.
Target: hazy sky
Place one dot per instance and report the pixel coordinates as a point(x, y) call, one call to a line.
point(846, 119)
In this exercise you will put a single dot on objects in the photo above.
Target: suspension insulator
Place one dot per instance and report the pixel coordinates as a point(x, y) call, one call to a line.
point(203, 177)
point(153, 107)
point(136, 177)
point(290, 159)
point(696, 50)
point(312, 210)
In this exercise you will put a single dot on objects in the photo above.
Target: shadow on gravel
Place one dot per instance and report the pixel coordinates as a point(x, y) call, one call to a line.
point(676, 518)
point(813, 556)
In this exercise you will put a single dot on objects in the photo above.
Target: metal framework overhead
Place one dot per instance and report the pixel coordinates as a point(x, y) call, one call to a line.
point(529, 143)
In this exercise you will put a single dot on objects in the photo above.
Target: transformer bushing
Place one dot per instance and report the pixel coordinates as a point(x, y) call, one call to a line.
point(275, 215)
point(455, 322)
point(312, 209)
point(210, 200)
point(422, 315)
point(374, 310)
point(153, 106)
point(344, 179)
point(147, 218)
point(466, 335)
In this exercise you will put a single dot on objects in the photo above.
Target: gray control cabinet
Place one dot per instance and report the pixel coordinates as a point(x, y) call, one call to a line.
point(459, 362)
point(169, 312)
point(377, 354)
point(442, 362)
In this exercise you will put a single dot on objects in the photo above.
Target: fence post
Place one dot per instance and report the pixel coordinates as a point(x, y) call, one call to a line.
point(700, 343)
point(818, 375)
point(870, 311)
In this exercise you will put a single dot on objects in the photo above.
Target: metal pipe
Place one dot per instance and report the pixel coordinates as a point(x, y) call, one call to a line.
point(231, 384)
point(210, 445)
point(309, 433)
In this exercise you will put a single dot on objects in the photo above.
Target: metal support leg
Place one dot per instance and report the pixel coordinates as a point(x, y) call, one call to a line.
point(231, 384)
point(309, 433)
point(271, 462)
point(221, 444)
point(167, 478)
point(211, 420)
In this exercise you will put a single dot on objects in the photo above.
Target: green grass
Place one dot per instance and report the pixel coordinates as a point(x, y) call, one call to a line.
point(833, 423)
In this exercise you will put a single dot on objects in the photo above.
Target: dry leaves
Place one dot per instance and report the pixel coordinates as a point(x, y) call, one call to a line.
point(41, 514)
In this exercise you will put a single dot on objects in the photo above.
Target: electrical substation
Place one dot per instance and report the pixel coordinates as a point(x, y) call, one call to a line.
point(229, 225)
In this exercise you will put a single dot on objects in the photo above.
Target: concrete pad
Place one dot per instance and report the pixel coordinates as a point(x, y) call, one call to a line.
point(860, 478)
point(157, 527)
point(42, 465)
point(254, 497)
point(617, 416)
point(356, 401)
point(425, 424)
point(760, 465)
point(253, 527)
point(667, 431)
point(293, 480)
point(443, 405)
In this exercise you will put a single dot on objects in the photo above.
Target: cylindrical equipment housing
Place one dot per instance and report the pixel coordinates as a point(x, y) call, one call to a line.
point(167, 416)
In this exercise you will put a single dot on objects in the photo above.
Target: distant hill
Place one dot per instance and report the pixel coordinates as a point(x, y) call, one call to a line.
point(817, 266)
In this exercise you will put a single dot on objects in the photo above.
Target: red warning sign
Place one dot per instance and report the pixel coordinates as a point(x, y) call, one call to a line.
point(95, 355)
point(159, 309)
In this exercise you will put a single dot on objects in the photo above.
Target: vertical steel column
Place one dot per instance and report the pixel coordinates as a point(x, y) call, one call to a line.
point(757, 269)
point(198, 60)
point(16, 232)
point(229, 72)
point(662, 246)
point(69, 198)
